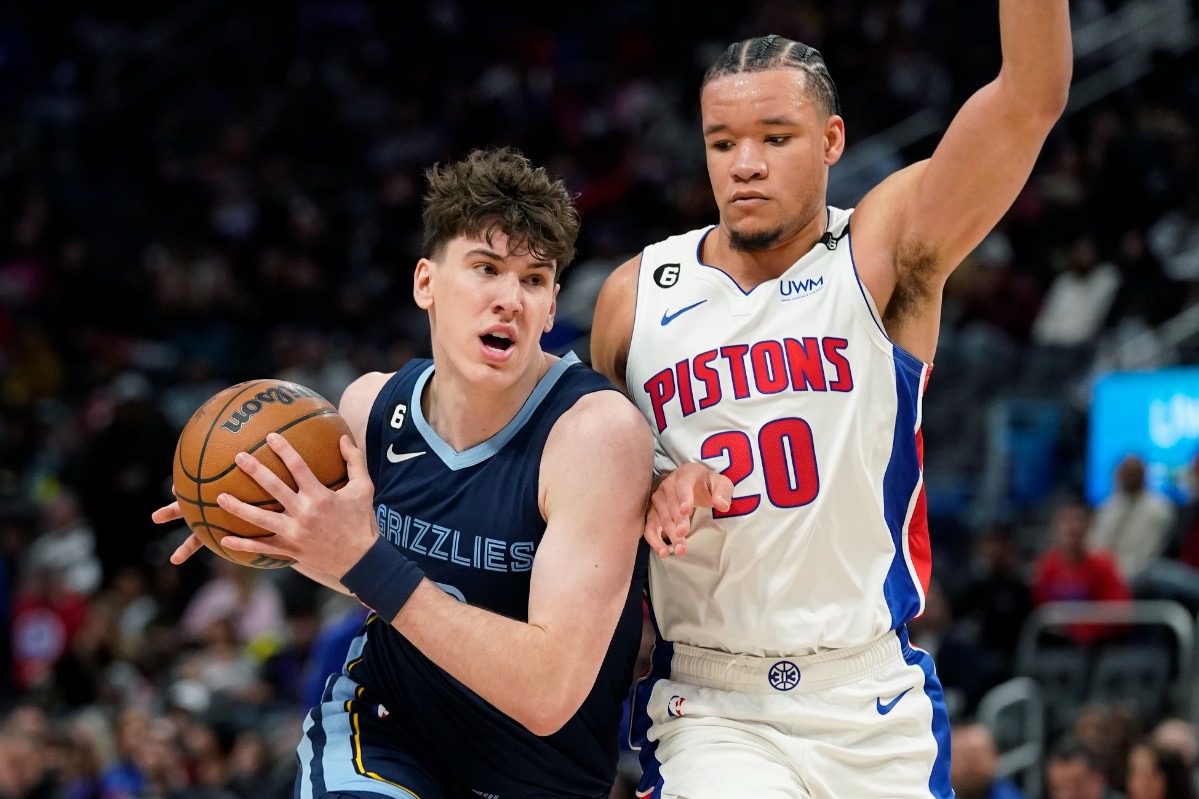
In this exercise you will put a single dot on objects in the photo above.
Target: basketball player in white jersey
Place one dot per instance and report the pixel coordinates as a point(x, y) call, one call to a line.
point(780, 356)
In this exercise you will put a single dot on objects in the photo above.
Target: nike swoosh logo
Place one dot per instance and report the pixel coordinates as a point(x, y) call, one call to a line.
point(397, 458)
point(887, 708)
point(668, 317)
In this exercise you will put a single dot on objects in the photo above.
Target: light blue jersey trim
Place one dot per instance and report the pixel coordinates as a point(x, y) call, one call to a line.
point(481, 452)
point(330, 752)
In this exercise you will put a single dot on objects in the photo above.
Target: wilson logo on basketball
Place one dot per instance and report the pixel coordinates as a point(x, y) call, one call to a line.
point(284, 395)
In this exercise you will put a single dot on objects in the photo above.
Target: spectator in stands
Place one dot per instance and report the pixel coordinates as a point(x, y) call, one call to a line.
point(1157, 772)
point(1185, 538)
point(66, 544)
point(1143, 529)
point(973, 769)
point(1134, 522)
point(1109, 729)
point(1181, 736)
point(994, 292)
point(1075, 771)
point(45, 620)
point(1079, 298)
point(120, 478)
point(1174, 239)
point(1071, 571)
point(995, 599)
point(965, 671)
point(249, 597)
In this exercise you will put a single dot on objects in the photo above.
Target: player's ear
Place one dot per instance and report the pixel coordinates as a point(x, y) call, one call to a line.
point(549, 322)
point(834, 139)
point(422, 284)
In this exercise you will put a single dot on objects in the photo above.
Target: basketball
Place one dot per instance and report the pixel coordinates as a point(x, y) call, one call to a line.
point(238, 419)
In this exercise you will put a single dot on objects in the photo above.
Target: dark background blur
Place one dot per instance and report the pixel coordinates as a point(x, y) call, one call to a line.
point(200, 193)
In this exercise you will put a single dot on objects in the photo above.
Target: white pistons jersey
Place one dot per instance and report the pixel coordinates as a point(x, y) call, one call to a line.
point(794, 391)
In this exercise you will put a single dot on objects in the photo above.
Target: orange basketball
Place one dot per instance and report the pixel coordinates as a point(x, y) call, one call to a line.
point(238, 419)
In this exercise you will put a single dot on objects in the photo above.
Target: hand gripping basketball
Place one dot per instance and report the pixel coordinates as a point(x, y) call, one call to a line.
point(238, 420)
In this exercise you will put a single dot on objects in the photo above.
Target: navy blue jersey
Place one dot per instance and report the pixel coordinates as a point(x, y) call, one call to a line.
point(472, 522)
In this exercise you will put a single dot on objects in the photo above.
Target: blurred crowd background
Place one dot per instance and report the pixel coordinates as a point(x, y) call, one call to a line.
point(198, 193)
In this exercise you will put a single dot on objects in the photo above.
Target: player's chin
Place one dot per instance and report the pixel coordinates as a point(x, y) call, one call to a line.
point(753, 237)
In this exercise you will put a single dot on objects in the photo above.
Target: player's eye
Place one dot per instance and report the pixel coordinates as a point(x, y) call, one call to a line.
point(722, 146)
point(777, 139)
point(535, 280)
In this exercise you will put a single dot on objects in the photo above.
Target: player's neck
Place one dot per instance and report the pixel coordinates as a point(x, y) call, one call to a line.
point(751, 268)
point(465, 413)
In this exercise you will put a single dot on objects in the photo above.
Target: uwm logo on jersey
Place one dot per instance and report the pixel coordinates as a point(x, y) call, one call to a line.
point(797, 289)
point(739, 371)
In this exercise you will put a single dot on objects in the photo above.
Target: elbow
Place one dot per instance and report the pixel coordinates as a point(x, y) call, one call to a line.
point(1045, 107)
point(1039, 101)
point(1038, 116)
point(1056, 98)
point(546, 714)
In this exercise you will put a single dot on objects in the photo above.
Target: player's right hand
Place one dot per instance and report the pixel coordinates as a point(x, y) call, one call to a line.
point(668, 520)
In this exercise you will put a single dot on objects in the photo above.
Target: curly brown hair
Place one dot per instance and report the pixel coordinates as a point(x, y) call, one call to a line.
point(500, 190)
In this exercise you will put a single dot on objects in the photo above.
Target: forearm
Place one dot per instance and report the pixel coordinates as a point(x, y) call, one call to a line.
point(327, 580)
point(1038, 55)
point(536, 675)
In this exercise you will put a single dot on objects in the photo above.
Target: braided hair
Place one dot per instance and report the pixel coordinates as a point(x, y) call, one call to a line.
point(777, 52)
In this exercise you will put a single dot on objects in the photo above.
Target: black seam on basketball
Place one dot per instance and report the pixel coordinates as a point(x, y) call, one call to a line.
point(208, 528)
point(260, 503)
point(208, 433)
point(204, 449)
point(190, 500)
point(262, 443)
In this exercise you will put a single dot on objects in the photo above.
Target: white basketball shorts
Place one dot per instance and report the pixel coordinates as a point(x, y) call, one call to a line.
point(868, 723)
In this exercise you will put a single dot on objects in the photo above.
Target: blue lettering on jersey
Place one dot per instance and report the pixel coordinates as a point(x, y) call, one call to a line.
point(798, 289)
point(469, 550)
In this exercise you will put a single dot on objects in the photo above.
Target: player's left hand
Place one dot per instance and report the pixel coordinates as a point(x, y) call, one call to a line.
point(322, 529)
point(668, 520)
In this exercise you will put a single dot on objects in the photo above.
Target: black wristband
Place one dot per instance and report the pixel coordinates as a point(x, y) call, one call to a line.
point(383, 579)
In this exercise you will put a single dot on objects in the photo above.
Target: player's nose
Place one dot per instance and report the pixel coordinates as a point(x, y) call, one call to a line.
point(508, 297)
point(749, 163)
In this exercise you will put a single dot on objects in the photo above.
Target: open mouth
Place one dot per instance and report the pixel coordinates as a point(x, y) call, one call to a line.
point(496, 342)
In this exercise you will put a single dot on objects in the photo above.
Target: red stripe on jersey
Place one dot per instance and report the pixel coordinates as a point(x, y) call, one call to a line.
point(918, 540)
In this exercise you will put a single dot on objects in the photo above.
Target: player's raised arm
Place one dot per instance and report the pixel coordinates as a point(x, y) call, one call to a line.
point(595, 477)
point(935, 212)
